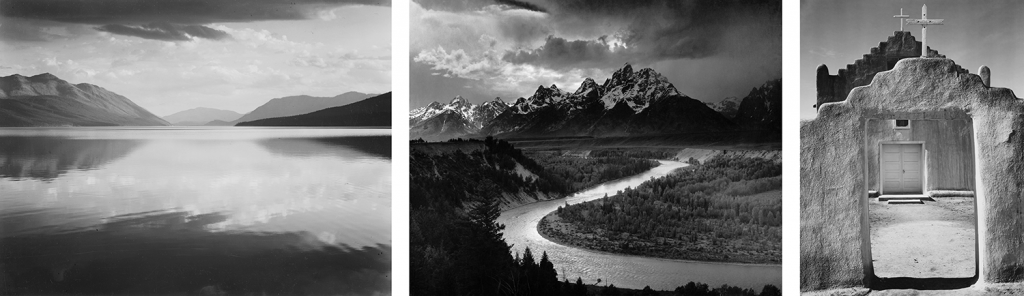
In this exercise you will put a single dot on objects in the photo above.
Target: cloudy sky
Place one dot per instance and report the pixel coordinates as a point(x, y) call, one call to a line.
point(481, 49)
point(169, 56)
point(838, 32)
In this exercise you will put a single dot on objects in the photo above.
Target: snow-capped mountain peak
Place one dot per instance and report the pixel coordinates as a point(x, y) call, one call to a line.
point(637, 89)
point(588, 89)
point(474, 116)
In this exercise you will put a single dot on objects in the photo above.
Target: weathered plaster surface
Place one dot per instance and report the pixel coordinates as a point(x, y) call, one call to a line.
point(835, 88)
point(835, 251)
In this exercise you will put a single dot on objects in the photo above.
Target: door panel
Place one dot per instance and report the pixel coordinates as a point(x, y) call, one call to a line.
point(912, 175)
point(902, 168)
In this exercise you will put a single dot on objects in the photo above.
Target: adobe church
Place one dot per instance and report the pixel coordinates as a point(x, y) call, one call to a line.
point(906, 121)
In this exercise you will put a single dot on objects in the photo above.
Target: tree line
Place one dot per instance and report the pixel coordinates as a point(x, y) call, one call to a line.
point(687, 214)
point(579, 173)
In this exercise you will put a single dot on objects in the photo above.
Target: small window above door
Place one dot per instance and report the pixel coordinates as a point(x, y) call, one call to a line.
point(901, 124)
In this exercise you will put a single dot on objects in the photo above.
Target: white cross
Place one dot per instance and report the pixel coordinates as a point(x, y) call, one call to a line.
point(901, 16)
point(924, 22)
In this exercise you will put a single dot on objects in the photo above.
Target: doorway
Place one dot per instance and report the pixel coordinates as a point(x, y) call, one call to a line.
point(918, 237)
point(902, 168)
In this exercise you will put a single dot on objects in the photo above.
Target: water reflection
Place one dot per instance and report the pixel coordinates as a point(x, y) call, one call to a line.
point(348, 147)
point(176, 253)
point(195, 211)
point(48, 157)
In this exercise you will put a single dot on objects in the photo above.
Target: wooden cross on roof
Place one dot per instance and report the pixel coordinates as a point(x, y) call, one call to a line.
point(901, 16)
point(924, 22)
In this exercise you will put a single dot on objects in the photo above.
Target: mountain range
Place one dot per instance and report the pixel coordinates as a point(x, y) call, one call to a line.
point(375, 111)
point(627, 104)
point(457, 118)
point(297, 105)
point(45, 100)
point(727, 107)
point(201, 116)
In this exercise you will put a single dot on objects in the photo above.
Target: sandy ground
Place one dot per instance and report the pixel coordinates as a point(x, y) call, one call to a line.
point(980, 289)
point(934, 239)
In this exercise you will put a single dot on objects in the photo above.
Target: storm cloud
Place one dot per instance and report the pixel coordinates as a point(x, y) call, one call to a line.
point(168, 20)
point(469, 5)
point(166, 31)
point(653, 31)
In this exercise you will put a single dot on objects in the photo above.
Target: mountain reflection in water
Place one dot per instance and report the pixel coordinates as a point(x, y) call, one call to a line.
point(208, 211)
point(48, 157)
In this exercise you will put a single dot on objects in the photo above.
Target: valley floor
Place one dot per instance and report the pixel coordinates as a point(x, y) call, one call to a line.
point(704, 248)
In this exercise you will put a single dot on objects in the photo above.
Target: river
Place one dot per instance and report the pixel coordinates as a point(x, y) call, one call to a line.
point(623, 270)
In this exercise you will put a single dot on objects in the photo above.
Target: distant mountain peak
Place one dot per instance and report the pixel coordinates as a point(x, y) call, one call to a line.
point(46, 100)
point(202, 116)
point(588, 89)
point(637, 89)
point(301, 104)
point(459, 100)
point(45, 76)
point(762, 107)
point(458, 117)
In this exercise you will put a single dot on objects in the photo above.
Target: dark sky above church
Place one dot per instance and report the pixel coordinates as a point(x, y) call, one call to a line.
point(481, 49)
point(838, 32)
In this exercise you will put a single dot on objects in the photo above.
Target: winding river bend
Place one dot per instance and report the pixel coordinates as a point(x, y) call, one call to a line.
point(623, 270)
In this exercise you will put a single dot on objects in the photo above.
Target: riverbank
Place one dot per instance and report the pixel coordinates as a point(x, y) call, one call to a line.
point(625, 271)
point(553, 228)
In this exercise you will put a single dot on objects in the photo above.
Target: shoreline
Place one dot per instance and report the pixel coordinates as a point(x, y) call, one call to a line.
point(594, 186)
point(559, 242)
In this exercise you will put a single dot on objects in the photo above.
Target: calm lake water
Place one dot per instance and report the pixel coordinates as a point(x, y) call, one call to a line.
point(195, 211)
point(623, 270)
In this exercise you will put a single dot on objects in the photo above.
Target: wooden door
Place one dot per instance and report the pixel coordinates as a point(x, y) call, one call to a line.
point(902, 168)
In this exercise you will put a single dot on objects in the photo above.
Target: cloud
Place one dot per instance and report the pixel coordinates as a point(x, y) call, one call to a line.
point(163, 20)
point(511, 49)
point(471, 5)
point(656, 31)
point(166, 31)
point(559, 53)
point(497, 74)
point(522, 5)
point(98, 12)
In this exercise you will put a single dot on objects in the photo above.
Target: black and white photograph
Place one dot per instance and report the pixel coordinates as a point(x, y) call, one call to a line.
point(595, 147)
point(195, 147)
point(911, 158)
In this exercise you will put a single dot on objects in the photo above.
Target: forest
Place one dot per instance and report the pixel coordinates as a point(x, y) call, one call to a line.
point(727, 209)
point(580, 173)
point(456, 247)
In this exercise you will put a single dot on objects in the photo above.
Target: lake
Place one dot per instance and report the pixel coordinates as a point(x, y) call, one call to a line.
point(208, 211)
point(624, 270)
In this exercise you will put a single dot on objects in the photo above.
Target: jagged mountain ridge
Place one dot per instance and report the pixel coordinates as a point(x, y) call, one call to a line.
point(728, 107)
point(46, 100)
point(629, 103)
point(762, 108)
point(456, 119)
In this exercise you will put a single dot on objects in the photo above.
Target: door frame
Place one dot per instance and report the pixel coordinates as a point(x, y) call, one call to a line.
point(881, 169)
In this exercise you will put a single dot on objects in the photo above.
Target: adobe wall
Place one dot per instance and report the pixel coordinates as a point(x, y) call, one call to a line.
point(835, 88)
point(949, 145)
point(834, 239)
